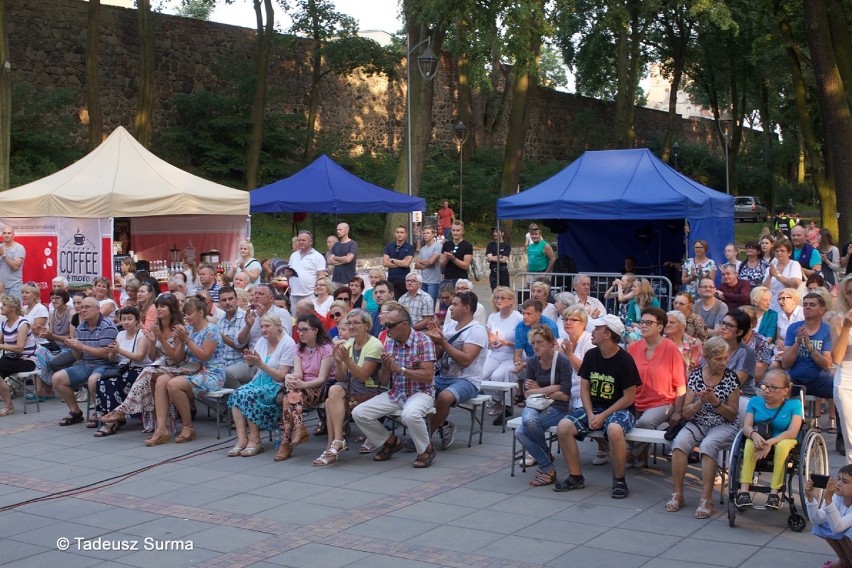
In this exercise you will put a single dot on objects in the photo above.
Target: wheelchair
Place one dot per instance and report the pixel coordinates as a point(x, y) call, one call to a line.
point(809, 455)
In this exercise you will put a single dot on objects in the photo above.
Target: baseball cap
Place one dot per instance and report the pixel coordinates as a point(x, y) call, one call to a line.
point(612, 322)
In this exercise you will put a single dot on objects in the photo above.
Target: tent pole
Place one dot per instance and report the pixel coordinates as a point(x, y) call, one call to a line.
point(248, 227)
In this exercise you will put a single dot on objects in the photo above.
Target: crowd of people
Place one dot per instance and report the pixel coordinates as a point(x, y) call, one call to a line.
point(418, 341)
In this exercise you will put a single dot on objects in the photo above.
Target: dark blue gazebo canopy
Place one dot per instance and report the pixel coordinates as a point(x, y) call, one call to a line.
point(325, 187)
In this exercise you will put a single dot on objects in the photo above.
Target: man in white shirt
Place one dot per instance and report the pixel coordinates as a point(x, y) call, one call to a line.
point(582, 290)
point(306, 265)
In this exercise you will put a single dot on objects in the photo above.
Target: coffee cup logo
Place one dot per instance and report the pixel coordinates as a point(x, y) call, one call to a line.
point(79, 238)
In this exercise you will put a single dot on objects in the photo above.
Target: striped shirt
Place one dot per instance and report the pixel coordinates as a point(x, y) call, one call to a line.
point(100, 337)
point(10, 337)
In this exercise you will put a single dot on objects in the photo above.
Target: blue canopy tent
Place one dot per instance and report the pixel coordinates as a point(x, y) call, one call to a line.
point(325, 187)
point(620, 203)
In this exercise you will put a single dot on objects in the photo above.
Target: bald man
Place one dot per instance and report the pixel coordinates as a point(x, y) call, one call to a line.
point(343, 255)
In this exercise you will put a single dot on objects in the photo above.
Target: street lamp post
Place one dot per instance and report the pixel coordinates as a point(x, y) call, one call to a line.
point(427, 64)
point(460, 134)
point(725, 118)
point(675, 148)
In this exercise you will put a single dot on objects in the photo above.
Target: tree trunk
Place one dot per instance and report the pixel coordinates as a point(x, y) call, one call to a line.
point(841, 43)
point(265, 33)
point(809, 141)
point(145, 105)
point(316, 77)
point(93, 77)
point(5, 101)
point(421, 93)
point(837, 119)
point(622, 97)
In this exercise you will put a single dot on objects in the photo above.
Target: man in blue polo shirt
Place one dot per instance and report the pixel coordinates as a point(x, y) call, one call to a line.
point(807, 349)
point(397, 260)
point(94, 334)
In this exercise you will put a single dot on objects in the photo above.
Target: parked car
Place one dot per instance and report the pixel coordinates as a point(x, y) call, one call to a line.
point(747, 208)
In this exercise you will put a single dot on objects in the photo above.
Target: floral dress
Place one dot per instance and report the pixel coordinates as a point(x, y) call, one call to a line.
point(699, 270)
point(294, 402)
point(211, 374)
point(707, 417)
point(256, 399)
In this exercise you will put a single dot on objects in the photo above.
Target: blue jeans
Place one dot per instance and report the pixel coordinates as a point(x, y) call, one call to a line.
point(431, 289)
point(531, 433)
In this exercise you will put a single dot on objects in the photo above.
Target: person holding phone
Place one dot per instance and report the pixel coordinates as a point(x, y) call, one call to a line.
point(833, 522)
point(785, 418)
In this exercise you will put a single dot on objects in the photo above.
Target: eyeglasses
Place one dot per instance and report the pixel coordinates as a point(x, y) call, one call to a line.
point(771, 388)
point(304, 329)
point(354, 322)
point(728, 325)
point(706, 287)
point(391, 325)
point(646, 323)
point(782, 298)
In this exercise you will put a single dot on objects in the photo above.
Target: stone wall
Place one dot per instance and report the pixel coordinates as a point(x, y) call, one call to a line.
point(365, 115)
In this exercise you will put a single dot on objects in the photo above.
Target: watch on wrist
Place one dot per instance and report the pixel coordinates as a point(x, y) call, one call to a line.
point(402, 371)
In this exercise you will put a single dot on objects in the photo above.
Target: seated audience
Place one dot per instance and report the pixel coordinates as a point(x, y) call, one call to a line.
point(733, 291)
point(767, 318)
point(690, 348)
point(548, 373)
point(253, 405)
point(790, 312)
point(18, 347)
point(501, 342)
point(753, 269)
point(710, 308)
point(695, 326)
point(711, 408)
point(785, 419)
point(807, 349)
point(312, 369)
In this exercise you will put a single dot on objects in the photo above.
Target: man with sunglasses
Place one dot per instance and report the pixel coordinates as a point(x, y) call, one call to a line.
point(419, 304)
point(807, 349)
point(408, 368)
point(456, 256)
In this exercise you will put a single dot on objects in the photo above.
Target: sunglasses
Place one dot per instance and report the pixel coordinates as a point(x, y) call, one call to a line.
point(337, 314)
point(391, 325)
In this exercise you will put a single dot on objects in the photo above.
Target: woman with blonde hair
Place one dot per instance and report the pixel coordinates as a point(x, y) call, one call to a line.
point(322, 299)
point(253, 405)
point(18, 348)
point(695, 326)
point(247, 263)
point(501, 326)
point(790, 312)
point(643, 297)
point(767, 318)
point(102, 291)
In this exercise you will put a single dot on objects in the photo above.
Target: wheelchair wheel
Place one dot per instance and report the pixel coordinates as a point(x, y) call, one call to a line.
point(813, 458)
point(735, 461)
point(796, 522)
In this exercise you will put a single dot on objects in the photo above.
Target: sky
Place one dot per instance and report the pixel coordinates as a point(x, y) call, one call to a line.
point(371, 14)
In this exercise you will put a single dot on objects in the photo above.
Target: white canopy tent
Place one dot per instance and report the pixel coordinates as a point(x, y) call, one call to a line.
point(168, 207)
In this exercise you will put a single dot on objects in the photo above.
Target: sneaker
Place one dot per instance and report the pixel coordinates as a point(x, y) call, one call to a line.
point(407, 445)
point(743, 500)
point(619, 490)
point(600, 458)
point(448, 435)
point(571, 483)
point(773, 501)
point(83, 395)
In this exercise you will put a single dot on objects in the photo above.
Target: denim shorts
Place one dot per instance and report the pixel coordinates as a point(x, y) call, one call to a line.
point(79, 372)
point(623, 418)
point(462, 389)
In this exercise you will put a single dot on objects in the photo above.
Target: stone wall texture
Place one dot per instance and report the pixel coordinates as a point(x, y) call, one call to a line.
point(361, 114)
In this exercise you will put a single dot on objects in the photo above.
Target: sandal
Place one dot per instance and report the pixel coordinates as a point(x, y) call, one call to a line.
point(704, 510)
point(108, 429)
point(251, 451)
point(367, 447)
point(675, 503)
point(158, 439)
point(6, 411)
point(425, 459)
point(619, 490)
point(114, 416)
point(542, 478)
point(92, 422)
point(832, 426)
point(320, 429)
point(185, 436)
point(72, 418)
point(326, 458)
point(528, 460)
point(235, 451)
point(385, 453)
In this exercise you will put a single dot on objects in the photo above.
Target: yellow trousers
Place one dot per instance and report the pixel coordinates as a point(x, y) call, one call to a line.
point(779, 462)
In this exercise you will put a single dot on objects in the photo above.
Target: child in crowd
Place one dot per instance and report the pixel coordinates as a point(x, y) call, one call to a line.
point(833, 522)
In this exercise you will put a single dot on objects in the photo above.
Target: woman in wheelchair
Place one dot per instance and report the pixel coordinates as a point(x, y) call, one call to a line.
point(833, 522)
point(784, 418)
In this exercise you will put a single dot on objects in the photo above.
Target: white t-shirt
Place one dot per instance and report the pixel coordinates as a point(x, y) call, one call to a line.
point(306, 267)
point(39, 311)
point(283, 354)
point(127, 344)
point(476, 334)
point(504, 330)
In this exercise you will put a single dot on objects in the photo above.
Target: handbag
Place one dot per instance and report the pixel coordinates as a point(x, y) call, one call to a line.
point(764, 427)
point(540, 401)
point(444, 362)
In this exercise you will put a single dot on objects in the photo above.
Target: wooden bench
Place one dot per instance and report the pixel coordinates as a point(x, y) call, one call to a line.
point(504, 387)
